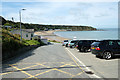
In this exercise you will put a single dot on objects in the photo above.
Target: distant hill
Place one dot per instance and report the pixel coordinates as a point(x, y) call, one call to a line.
point(2, 20)
point(38, 27)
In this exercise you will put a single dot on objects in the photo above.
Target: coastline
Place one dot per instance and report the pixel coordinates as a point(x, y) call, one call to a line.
point(50, 35)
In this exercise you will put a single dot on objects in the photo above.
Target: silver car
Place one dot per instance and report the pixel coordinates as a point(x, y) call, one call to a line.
point(71, 43)
point(65, 42)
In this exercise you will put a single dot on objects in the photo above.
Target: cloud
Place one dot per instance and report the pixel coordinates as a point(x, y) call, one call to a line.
point(60, 0)
point(70, 13)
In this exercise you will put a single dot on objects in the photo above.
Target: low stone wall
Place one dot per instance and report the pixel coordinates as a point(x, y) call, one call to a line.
point(8, 55)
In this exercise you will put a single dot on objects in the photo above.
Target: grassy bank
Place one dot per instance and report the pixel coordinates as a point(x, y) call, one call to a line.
point(54, 41)
point(11, 43)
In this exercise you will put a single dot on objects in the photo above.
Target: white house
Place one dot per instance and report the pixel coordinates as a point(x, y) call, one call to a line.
point(26, 33)
point(8, 26)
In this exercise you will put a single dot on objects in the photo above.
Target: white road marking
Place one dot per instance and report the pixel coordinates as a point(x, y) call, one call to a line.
point(86, 68)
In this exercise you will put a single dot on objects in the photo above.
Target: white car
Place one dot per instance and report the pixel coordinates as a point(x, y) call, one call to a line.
point(71, 43)
point(65, 42)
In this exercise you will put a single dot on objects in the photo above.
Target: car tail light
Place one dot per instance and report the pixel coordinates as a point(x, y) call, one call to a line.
point(97, 48)
point(90, 47)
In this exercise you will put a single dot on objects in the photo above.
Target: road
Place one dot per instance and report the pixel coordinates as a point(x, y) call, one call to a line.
point(56, 61)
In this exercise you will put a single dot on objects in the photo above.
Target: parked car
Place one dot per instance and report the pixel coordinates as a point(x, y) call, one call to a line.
point(68, 43)
point(71, 43)
point(65, 42)
point(84, 45)
point(106, 48)
point(76, 44)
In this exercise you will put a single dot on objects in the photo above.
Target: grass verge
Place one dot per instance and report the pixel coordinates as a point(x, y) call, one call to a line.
point(54, 41)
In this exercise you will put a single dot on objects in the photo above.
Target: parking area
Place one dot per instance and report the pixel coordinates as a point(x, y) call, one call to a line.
point(57, 61)
point(42, 70)
point(101, 67)
point(50, 61)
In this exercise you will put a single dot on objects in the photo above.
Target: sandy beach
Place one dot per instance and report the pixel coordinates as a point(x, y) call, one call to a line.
point(50, 35)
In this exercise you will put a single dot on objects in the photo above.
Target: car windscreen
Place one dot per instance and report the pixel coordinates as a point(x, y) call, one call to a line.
point(95, 43)
point(65, 40)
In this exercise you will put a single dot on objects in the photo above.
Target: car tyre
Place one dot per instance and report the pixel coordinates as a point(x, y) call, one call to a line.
point(107, 55)
point(66, 45)
point(83, 49)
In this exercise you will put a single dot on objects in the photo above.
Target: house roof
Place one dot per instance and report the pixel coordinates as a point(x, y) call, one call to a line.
point(7, 26)
point(28, 30)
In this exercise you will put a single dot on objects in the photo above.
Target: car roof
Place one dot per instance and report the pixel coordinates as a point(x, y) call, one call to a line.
point(107, 40)
point(87, 40)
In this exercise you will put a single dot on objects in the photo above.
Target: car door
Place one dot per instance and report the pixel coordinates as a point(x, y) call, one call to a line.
point(112, 46)
point(118, 47)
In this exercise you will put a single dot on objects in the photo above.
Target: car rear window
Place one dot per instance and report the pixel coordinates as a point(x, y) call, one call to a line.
point(73, 41)
point(65, 40)
point(96, 43)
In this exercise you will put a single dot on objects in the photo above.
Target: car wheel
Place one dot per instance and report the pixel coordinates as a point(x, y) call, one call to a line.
point(82, 49)
point(107, 55)
point(85, 49)
point(66, 45)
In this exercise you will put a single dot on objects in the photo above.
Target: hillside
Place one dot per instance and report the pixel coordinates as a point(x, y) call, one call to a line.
point(38, 27)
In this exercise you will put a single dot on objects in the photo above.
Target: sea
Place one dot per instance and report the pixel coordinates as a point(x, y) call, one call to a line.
point(105, 33)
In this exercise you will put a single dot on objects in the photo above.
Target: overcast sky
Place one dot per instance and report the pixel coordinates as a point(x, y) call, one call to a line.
point(96, 14)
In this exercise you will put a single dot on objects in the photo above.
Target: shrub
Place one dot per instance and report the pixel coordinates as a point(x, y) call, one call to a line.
point(12, 43)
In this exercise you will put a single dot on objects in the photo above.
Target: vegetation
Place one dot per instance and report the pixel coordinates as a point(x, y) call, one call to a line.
point(31, 42)
point(11, 43)
point(54, 41)
point(38, 27)
point(2, 20)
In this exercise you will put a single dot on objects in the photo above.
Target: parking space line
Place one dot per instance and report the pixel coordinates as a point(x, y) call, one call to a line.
point(30, 66)
point(75, 62)
point(7, 73)
point(37, 64)
point(16, 70)
point(77, 74)
point(58, 69)
point(73, 65)
point(23, 71)
point(93, 76)
point(50, 70)
point(39, 74)
point(64, 72)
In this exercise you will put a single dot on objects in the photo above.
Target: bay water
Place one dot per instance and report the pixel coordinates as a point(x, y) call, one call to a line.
point(106, 33)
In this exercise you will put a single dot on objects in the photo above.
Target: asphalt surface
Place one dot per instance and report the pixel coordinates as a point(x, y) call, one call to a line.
point(56, 61)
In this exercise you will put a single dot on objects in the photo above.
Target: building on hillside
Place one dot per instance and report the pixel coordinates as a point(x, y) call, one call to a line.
point(26, 33)
point(7, 27)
